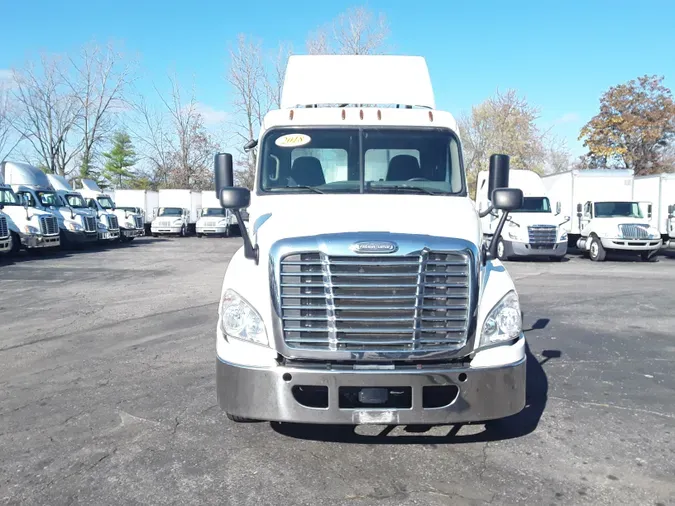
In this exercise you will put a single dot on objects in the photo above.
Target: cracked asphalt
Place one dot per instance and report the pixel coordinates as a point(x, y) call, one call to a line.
point(107, 395)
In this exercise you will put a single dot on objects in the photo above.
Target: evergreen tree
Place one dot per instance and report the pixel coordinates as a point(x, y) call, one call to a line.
point(119, 160)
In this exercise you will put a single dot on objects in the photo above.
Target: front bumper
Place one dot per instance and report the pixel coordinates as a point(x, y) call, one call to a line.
point(524, 249)
point(632, 244)
point(166, 230)
point(81, 237)
point(5, 244)
point(132, 232)
point(40, 241)
point(109, 235)
point(267, 393)
point(213, 230)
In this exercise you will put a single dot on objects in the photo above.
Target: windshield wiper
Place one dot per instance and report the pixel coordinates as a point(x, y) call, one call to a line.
point(401, 187)
point(311, 188)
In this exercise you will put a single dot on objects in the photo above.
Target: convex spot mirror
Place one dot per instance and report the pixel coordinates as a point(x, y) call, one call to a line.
point(558, 207)
point(235, 198)
point(507, 199)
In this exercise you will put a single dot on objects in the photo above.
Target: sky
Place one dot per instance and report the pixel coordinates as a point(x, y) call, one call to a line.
point(561, 56)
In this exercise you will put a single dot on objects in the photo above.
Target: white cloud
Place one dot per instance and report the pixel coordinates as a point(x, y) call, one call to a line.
point(211, 116)
point(569, 117)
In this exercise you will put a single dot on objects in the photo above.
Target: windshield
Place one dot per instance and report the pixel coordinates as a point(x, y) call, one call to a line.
point(170, 211)
point(49, 199)
point(371, 160)
point(618, 209)
point(106, 202)
point(8, 198)
point(75, 201)
point(213, 211)
point(534, 205)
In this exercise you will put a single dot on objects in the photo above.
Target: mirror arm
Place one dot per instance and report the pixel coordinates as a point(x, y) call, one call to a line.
point(250, 251)
point(491, 252)
point(483, 214)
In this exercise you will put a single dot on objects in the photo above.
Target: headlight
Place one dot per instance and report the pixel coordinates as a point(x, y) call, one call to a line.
point(503, 323)
point(102, 225)
point(74, 227)
point(129, 224)
point(27, 229)
point(563, 235)
point(178, 222)
point(222, 223)
point(238, 319)
point(512, 235)
point(653, 233)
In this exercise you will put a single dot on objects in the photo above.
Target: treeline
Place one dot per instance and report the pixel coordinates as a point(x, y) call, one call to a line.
point(83, 116)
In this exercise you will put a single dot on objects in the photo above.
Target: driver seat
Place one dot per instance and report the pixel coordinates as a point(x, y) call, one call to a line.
point(403, 168)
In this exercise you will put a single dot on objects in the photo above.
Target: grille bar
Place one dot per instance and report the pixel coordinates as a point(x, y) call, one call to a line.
point(49, 225)
point(634, 231)
point(4, 228)
point(380, 303)
point(542, 234)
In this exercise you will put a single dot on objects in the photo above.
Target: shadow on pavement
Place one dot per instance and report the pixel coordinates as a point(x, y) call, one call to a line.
point(514, 426)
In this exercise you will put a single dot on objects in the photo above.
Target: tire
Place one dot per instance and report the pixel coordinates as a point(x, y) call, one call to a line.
point(556, 259)
point(596, 250)
point(155, 235)
point(16, 243)
point(199, 236)
point(649, 256)
point(227, 231)
point(239, 419)
point(182, 231)
point(501, 250)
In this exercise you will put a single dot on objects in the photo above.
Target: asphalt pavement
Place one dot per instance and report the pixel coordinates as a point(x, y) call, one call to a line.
point(107, 395)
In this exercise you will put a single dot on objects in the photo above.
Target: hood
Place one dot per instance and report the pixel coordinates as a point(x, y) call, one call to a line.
point(618, 220)
point(526, 219)
point(283, 216)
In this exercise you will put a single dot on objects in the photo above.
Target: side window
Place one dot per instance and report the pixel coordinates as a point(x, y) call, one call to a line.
point(91, 203)
point(377, 162)
point(28, 197)
point(587, 209)
point(334, 162)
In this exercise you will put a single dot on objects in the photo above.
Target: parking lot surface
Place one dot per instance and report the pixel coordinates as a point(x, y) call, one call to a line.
point(107, 395)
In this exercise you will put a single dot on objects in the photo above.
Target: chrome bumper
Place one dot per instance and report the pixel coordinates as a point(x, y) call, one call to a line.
point(166, 230)
point(109, 235)
point(131, 232)
point(212, 230)
point(267, 393)
point(632, 244)
point(41, 241)
point(522, 249)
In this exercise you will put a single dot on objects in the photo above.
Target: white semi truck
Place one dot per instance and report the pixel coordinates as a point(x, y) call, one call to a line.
point(214, 220)
point(659, 189)
point(116, 224)
point(144, 201)
point(33, 227)
point(363, 292)
point(535, 230)
point(606, 218)
point(178, 212)
point(5, 237)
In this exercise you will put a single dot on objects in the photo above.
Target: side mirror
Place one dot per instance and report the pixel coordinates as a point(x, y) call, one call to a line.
point(579, 208)
point(558, 207)
point(649, 211)
point(235, 198)
point(671, 210)
point(25, 203)
point(498, 177)
point(507, 199)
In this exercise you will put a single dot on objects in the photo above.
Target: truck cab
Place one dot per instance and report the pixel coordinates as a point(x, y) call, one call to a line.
point(34, 226)
point(114, 224)
point(215, 221)
point(534, 230)
point(363, 293)
point(170, 221)
point(617, 225)
point(5, 237)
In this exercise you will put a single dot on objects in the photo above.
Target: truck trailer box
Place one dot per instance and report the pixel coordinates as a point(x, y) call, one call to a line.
point(185, 199)
point(576, 187)
point(147, 200)
point(659, 189)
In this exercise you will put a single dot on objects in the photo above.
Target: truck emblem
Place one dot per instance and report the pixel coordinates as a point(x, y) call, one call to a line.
point(374, 247)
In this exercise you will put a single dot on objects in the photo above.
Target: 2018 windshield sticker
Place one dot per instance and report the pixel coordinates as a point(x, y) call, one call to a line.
point(292, 140)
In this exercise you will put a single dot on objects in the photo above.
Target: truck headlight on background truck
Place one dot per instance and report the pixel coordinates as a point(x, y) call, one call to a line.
point(74, 227)
point(27, 229)
point(239, 320)
point(563, 235)
point(177, 222)
point(503, 323)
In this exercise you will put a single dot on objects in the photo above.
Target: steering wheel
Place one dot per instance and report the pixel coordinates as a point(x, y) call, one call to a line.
point(418, 179)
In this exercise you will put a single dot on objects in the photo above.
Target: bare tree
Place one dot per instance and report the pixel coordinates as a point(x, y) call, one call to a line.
point(558, 156)
point(98, 82)
point(356, 31)
point(48, 113)
point(9, 138)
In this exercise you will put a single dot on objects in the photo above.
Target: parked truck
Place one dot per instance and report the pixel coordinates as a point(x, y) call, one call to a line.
point(363, 292)
point(5, 237)
point(659, 189)
point(178, 212)
point(606, 217)
point(214, 220)
point(36, 227)
point(145, 202)
point(535, 230)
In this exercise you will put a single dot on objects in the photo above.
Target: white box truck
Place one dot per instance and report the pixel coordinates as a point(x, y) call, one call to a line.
point(213, 219)
point(605, 216)
point(363, 293)
point(659, 189)
point(37, 225)
point(178, 212)
point(535, 230)
point(144, 201)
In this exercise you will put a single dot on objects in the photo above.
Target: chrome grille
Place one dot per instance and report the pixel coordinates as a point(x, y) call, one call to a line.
point(138, 220)
point(89, 224)
point(631, 231)
point(4, 229)
point(375, 303)
point(49, 225)
point(543, 236)
point(114, 224)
